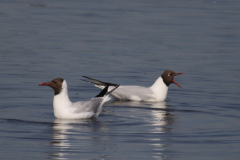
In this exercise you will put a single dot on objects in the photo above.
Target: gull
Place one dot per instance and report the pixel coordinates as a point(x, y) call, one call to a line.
point(155, 93)
point(65, 109)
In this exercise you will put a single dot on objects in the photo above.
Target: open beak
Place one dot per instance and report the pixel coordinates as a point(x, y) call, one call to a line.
point(176, 82)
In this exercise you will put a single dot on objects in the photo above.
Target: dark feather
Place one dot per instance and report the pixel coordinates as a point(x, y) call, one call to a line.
point(97, 82)
point(103, 92)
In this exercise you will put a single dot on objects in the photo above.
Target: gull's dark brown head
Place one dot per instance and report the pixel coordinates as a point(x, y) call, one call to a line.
point(168, 76)
point(55, 84)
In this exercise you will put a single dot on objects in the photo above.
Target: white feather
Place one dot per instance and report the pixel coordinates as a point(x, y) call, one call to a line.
point(65, 109)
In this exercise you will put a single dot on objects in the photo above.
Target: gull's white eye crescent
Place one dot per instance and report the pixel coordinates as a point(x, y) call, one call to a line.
point(169, 74)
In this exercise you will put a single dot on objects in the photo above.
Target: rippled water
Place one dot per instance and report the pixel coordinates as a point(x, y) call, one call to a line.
point(123, 42)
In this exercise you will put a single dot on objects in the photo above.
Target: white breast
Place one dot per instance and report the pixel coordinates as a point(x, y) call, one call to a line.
point(160, 89)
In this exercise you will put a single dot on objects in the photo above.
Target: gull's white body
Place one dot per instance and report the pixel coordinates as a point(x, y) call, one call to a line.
point(157, 92)
point(65, 109)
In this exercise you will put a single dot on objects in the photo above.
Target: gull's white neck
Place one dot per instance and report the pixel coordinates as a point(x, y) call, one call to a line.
point(160, 89)
point(61, 102)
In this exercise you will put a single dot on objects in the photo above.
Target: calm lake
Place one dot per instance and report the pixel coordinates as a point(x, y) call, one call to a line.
point(126, 42)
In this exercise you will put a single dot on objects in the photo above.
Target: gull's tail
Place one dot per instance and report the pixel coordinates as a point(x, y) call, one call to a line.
point(107, 88)
point(105, 92)
point(99, 84)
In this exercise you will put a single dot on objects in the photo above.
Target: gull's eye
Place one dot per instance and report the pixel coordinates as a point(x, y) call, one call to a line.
point(169, 74)
point(54, 82)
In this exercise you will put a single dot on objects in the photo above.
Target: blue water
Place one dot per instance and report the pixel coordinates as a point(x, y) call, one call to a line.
point(127, 43)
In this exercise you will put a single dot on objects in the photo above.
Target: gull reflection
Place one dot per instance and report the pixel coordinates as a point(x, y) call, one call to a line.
point(94, 138)
point(158, 114)
point(66, 133)
point(157, 119)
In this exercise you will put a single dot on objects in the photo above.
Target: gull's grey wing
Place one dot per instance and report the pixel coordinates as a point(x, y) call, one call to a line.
point(92, 105)
point(137, 93)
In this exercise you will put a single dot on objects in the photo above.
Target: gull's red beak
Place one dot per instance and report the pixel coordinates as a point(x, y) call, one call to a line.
point(180, 73)
point(176, 82)
point(44, 84)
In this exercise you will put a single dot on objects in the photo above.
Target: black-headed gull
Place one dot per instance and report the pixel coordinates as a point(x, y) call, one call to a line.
point(157, 92)
point(65, 109)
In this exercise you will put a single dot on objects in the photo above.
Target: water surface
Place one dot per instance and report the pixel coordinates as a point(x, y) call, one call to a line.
point(123, 42)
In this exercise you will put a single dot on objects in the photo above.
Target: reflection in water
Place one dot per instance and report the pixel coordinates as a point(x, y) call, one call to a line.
point(160, 115)
point(151, 120)
point(64, 136)
point(159, 120)
point(61, 130)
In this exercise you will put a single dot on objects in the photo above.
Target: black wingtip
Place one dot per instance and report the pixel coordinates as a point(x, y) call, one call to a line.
point(103, 84)
point(97, 82)
point(113, 89)
point(103, 92)
point(89, 81)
